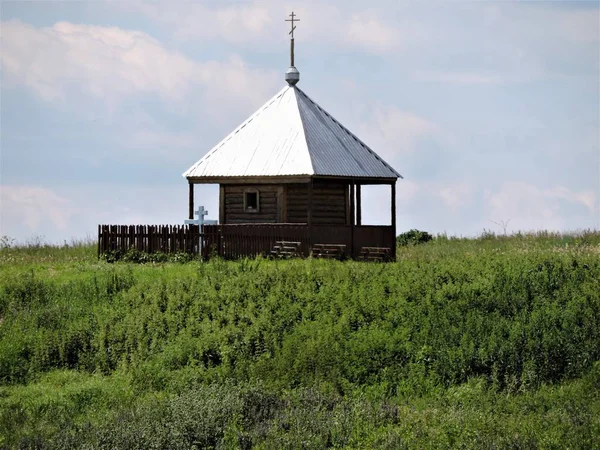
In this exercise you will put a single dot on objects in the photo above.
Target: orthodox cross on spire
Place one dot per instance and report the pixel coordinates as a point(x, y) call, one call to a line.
point(292, 76)
point(292, 20)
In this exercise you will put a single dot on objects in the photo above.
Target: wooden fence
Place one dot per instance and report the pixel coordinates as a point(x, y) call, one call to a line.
point(149, 238)
point(233, 241)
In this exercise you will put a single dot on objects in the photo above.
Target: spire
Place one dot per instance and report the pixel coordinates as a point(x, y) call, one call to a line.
point(292, 76)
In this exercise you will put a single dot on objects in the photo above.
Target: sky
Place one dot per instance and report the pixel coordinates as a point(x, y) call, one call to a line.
point(489, 109)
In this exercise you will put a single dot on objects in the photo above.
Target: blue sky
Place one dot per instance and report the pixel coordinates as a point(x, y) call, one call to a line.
point(490, 110)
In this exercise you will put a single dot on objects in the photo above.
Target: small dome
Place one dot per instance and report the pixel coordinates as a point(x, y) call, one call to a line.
point(292, 76)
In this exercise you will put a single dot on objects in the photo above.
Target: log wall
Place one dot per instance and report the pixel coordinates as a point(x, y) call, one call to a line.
point(329, 203)
point(269, 210)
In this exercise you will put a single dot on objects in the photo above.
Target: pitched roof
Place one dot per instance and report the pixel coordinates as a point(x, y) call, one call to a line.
point(291, 135)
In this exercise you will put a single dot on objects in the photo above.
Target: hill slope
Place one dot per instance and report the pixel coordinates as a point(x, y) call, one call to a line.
point(479, 343)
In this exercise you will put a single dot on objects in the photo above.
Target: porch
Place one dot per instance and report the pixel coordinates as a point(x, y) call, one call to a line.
point(233, 241)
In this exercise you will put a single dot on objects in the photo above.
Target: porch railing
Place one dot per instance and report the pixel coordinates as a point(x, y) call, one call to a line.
point(233, 241)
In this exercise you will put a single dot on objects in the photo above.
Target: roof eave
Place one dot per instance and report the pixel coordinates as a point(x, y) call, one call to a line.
point(256, 179)
point(286, 179)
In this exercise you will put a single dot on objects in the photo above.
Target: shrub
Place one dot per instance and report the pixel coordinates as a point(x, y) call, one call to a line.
point(135, 256)
point(413, 237)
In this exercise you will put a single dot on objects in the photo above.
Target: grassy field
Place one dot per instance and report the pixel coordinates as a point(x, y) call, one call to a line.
point(462, 343)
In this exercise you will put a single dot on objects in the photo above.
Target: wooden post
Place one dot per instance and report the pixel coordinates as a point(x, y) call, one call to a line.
point(191, 205)
point(394, 218)
point(347, 203)
point(280, 205)
point(358, 206)
point(284, 208)
point(221, 204)
point(394, 206)
point(309, 211)
point(352, 209)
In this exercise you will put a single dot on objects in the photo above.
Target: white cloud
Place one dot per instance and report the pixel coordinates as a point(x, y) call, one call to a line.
point(161, 145)
point(461, 77)
point(576, 25)
point(531, 208)
point(491, 43)
point(406, 192)
point(75, 211)
point(110, 63)
point(393, 132)
point(35, 207)
point(587, 198)
point(456, 196)
point(369, 32)
point(262, 23)
point(236, 23)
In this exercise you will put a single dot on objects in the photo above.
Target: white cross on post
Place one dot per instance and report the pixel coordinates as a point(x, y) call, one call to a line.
point(200, 220)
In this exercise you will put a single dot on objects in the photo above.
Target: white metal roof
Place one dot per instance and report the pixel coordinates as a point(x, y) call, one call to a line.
point(291, 135)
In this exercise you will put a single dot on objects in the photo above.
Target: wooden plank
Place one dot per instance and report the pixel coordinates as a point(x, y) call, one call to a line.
point(352, 252)
point(351, 203)
point(309, 219)
point(394, 218)
point(280, 205)
point(191, 202)
point(221, 204)
point(239, 219)
point(393, 206)
point(262, 188)
point(358, 205)
point(284, 203)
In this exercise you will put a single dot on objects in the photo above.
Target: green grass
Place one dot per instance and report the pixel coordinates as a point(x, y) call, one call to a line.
point(462, 343)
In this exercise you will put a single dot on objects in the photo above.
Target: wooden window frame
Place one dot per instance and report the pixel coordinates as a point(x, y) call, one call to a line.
point(251, 191)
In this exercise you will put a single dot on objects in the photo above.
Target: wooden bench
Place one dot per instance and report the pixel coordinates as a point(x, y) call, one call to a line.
point(329, 251)
point(285, 249)
point(375, 254)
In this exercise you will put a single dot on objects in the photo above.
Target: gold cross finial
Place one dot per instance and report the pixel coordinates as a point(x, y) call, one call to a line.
point(292, 20)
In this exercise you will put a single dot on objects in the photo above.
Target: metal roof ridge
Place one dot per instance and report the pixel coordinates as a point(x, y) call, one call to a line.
point(240, 127)
point(365, 146)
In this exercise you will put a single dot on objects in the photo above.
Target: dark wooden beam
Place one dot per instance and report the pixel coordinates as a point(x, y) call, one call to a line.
point(352, 207)
point(347, 202)
point(191, 202)
point(221, 204)
point(310, 204)
point(284, 217)
point(358, 206)
point(394, 220)
point(352, 212)
point(309, 214)
point(394, 206)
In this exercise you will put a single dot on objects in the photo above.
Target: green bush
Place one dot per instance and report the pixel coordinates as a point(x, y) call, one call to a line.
point(413, 237)
point(136, 256)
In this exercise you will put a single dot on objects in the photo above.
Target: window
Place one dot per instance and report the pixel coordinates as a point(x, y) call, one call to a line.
point(251, 199)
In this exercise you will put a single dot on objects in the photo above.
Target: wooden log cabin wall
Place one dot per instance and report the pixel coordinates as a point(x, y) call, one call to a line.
point(287, 203)
point(234, 210)
point(329, 203)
